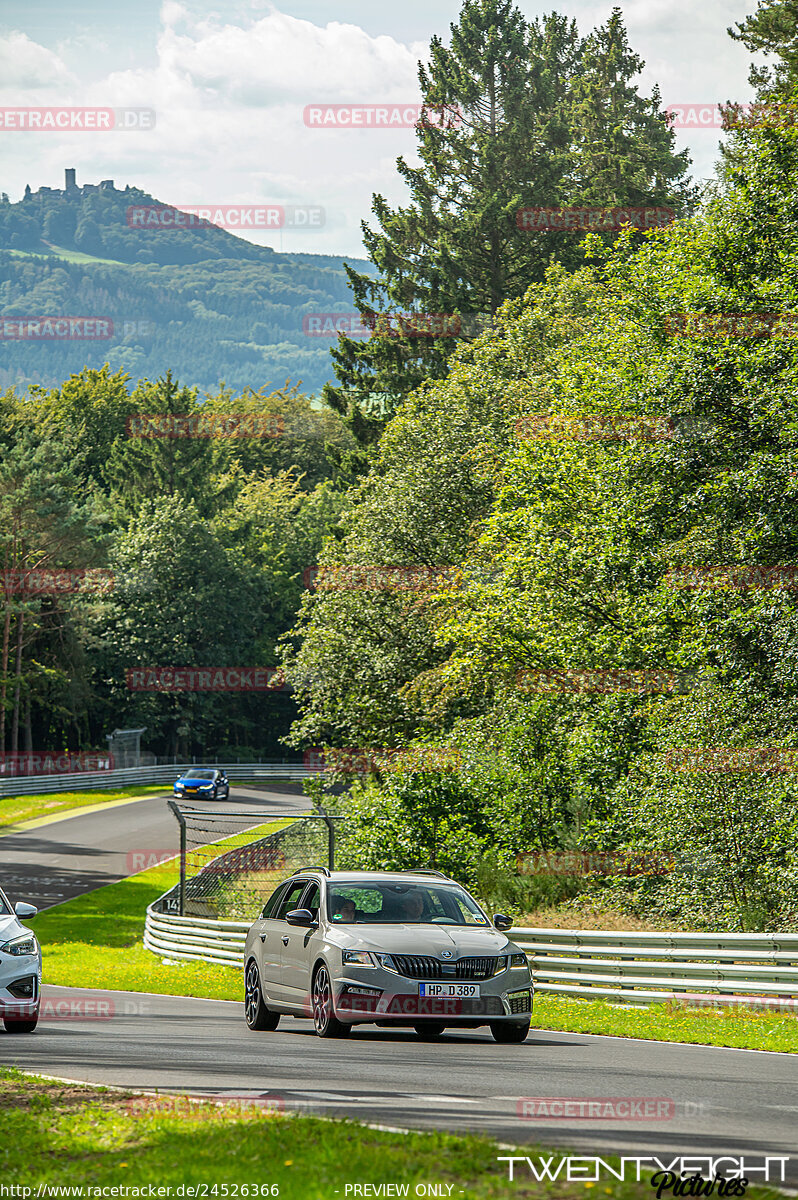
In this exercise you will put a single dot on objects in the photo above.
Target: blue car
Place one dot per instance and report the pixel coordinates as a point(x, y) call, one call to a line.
point(203, 783)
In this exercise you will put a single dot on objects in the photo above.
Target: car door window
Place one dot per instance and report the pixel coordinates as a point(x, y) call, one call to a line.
point(291, 899)
point(311, 900)
point(272, 904)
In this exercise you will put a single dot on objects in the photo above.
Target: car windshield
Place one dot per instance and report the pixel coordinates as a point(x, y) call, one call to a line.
point(198, 775)
point(389, 903)
point(5, 907)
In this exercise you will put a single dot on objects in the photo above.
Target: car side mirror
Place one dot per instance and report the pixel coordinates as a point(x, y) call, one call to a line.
point(25, 910)
point(300, 916)
point(502, 922)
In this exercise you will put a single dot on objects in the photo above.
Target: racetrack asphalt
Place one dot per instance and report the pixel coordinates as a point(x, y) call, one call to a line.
point(89, 849)
point(721, 1101)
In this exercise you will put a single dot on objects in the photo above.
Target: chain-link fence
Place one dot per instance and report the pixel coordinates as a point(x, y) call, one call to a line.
point(231, 862)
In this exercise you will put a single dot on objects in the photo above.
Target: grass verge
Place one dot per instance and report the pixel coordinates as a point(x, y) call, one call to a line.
point(62, 1134)
point(96, 941)
point(14, 809)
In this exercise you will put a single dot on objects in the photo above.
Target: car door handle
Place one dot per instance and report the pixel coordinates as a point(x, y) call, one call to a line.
point(285, 941)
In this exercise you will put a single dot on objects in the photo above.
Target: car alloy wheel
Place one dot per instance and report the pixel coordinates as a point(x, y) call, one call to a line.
point(326, 1023)
point(256, 1014)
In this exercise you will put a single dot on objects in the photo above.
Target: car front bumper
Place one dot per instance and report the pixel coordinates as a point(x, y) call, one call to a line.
point(375, 994)
point(20, 985)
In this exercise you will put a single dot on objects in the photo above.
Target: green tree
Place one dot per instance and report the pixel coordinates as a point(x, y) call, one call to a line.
point(623, 148)
point(498, 141)
point(179, 604)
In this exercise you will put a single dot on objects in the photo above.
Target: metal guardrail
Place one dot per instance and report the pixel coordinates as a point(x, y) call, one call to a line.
point(650, 968)
point(758, 969)
point(200, 938)
point(79, 781)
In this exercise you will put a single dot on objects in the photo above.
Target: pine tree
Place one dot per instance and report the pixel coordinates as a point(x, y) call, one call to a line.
point(623, 145)
point(495, 137)
point(772, 29)
point(524, 117)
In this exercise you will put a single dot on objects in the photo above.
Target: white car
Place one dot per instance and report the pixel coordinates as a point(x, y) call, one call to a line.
point(20, 968)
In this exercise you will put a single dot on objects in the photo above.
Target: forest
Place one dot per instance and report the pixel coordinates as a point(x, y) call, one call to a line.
point(533, 589)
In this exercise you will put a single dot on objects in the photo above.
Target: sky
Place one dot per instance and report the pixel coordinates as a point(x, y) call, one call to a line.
point(230, 85)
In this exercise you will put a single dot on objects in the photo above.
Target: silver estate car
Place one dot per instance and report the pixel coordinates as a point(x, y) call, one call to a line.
point(20, 969)
point(392, 948)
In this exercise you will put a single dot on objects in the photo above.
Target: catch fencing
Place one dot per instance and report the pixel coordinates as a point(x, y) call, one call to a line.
point(231, 862)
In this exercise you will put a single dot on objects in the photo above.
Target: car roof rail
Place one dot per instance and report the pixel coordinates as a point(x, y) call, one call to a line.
point(305, 870)
point(423, 871)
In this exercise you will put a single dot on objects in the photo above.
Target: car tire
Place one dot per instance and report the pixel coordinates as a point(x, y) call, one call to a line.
point(429, 1029)
point(21, 1026)
point(509, 1031)
point(256, 1014)
point(325, 1021)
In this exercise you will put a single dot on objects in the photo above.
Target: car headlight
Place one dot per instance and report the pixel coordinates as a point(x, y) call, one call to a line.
point(180, 786)
point(25, 944)
point(358, 958)
point(518, 960)
point(205, 787)
point(387, 962)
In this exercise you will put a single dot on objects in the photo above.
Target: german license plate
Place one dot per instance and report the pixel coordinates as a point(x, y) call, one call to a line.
point(468, 991)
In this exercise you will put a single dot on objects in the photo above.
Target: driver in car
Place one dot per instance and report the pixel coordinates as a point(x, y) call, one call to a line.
point(344, 909)
point(413, 906)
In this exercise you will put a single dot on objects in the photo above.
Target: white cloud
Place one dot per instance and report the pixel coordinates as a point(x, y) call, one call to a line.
point(229, 95)
point(25, 64)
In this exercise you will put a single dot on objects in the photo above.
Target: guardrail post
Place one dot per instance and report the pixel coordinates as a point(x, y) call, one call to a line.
point(182, 823)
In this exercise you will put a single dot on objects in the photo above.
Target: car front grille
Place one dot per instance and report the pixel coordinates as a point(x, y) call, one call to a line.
point(520, 1002)
point(424, 966)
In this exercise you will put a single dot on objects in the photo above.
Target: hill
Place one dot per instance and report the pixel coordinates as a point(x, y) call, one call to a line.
point(198, 300)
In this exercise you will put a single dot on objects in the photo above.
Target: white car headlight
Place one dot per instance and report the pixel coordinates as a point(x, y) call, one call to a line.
point(518, 960)
point(25, 944)
point(387, 962)
point(357, 958)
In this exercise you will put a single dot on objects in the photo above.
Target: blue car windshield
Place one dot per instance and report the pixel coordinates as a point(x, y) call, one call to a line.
point(198, 775)
point(388, 903)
